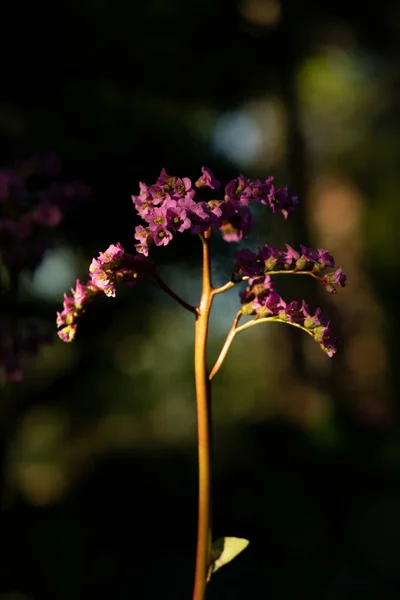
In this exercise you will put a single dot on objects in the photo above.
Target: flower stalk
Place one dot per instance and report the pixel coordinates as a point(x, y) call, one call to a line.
point(171, 206)
point(203, 400)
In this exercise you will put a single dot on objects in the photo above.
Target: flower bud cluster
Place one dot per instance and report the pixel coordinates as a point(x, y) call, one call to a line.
point(112, 267)
point(261, 299)
point(306, 262)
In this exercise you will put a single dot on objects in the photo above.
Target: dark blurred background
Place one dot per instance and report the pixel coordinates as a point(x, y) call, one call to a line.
point(99, 438)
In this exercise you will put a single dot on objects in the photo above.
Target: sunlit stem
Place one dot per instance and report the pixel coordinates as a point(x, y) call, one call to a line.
point(225, 348)
point(226, 287)
point(273, 319)
point(203, 399)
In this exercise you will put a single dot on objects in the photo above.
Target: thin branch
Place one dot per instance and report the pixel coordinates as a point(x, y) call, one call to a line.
point(274, 319)
point(234, 330)
point(225, 287)
point(293, 272)
point(232, 283)
point(175, 296)
point(227, 344)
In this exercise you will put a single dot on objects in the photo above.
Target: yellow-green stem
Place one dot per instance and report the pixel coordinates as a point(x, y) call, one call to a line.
point(203, 552)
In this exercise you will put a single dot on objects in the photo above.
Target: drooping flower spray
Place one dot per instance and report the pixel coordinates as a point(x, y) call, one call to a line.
point(173, 205)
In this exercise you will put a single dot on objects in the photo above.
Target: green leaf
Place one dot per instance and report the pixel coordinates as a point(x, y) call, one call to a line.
point(224, 550)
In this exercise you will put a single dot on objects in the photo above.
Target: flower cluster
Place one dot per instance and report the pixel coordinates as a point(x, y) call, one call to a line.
point(260, 298)
point(306, 262)
point(14, 346)
point(30, 204)
point(73, 307)
point(171, 206)
point(117, 266)
point(112, 267)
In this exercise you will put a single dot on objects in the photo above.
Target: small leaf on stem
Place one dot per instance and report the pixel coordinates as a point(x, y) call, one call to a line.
point(224, 550)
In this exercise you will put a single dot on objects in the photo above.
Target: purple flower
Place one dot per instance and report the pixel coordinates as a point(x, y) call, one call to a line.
point(312, 320)
point(143, 204)
point(309, 254)
point(215, 208)
point(291, 312)
point(182, 187)
point(332, 279)
point(291, 255)
point(319, 326)
point(62, 318)
point(283, 202)
point(101, 279)
point(142, 249)
point(161, 236)
point(325, 259)
point(74, 306)
point(263, 192)
point(264, 280)
point(187, 203)
point(177, 218)
point(163, 178)
point(157, 218)
point(179, 188)
point(274, 303)
point(236, 223)
point(113, 253)
point(68, 333)
point(199, 217)
point(103, 268)
point(271, 257)
point(259, 287)
point(142, 234)
point(238, 192)
point(207, 179)
point(79, 294)
point(159, 195)
point(246, 263)
point(271, 304)
point(326, 339)
point(340, 278)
